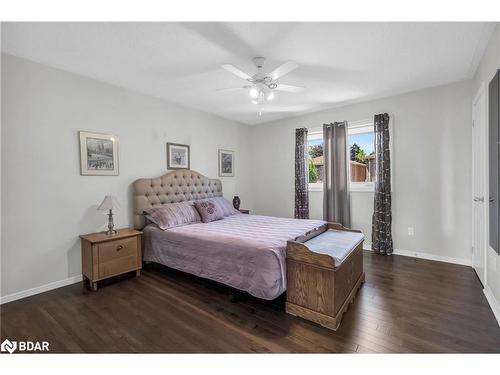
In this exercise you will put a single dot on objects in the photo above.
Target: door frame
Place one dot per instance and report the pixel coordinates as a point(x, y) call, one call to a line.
point(484, 173)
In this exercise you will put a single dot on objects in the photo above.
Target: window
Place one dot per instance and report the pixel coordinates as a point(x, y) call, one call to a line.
point(361, 149)
point(361, 140)
point(316, 160)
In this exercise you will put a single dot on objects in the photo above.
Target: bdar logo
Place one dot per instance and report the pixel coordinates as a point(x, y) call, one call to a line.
point(24, 346)
point(8, 346)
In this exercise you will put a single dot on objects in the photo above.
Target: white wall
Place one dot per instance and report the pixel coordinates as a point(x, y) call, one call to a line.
point(46, 204)
point(431, 168)
point(485, 72)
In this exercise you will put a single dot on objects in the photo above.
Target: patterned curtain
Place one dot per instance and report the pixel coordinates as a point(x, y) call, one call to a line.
point(382, 214)
point(301, 175)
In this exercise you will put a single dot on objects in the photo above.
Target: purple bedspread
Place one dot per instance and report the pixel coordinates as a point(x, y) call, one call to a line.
point(246, 252)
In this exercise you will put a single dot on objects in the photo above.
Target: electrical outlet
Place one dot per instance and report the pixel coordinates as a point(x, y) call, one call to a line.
point(411, 231)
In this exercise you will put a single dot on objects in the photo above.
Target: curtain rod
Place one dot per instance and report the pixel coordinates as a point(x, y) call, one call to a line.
point(353, 124)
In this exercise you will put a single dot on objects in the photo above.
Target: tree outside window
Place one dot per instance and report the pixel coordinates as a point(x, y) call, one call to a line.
point(316, 160)
point(362, 157)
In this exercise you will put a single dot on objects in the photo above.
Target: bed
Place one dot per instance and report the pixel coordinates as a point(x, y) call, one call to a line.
point(246, 252)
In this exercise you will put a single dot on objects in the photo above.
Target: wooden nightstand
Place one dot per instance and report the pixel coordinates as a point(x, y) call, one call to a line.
point(105, 256)
point(244, 211)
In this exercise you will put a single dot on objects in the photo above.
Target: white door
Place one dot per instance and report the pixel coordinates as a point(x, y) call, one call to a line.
point(479, 147)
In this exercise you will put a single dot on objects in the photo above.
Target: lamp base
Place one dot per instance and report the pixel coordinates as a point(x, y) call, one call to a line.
point(111, 225)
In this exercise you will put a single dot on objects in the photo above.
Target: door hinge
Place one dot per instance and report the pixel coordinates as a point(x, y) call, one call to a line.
point(472, 249)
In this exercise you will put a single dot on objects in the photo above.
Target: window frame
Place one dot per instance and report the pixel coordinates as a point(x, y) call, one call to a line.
point(355, 127)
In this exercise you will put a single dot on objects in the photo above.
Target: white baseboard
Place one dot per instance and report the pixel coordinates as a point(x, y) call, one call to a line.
point(494, 304)
point(414, 254)
point(40, 289)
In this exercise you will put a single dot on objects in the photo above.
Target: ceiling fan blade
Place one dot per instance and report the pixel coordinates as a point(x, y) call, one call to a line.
point(283, 69)
point(232, 69)
point(231, 89)
point(288, 88)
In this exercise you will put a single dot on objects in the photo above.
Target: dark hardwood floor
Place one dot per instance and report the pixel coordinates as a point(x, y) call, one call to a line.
point(406, 305)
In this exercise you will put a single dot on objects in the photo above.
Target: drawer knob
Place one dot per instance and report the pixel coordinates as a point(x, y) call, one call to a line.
point(119, 247)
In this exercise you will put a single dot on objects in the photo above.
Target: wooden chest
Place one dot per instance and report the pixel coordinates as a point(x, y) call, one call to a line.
point(317, 290)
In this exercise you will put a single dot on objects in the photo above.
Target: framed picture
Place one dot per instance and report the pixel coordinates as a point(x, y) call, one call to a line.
point(98, 154)
point(178, 156)
point(226, 163)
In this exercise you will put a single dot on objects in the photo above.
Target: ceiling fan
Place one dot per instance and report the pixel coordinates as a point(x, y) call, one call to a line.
point(262, 85)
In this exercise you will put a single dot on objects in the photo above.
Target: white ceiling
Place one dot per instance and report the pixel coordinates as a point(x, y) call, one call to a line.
point(340, 63)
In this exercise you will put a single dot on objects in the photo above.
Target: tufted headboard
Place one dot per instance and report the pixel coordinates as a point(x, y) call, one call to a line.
point(176, 186)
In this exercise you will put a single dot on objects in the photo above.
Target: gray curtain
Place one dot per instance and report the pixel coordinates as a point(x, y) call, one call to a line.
point(301, 175)
point(336, 199)
point(382, 214)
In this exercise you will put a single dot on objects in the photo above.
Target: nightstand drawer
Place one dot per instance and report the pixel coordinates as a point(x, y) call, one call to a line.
point(117, 266)
point(121, 248)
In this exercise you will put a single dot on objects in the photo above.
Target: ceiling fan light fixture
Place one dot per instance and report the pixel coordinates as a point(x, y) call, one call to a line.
point(262, 97)
point(261, 85)
point(254, 92)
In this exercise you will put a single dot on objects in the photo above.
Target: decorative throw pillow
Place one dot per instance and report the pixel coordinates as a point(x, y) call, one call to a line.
point(208, 211)
point(225, 206)
point(173, 215)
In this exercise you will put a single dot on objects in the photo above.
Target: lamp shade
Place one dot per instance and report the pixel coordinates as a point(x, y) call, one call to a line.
point(109, 203)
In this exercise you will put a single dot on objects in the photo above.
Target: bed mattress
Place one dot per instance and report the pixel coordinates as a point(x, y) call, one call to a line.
point(246, 252)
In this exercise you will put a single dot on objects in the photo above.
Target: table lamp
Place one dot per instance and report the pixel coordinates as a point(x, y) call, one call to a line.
point(109, 203)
